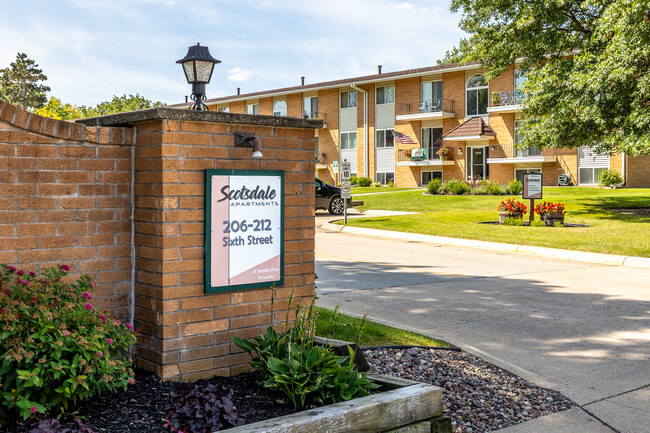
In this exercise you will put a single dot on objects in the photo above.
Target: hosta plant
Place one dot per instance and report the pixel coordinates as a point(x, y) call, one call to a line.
point(56, 347)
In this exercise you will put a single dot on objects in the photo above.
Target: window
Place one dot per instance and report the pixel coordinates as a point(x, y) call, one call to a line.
point(310, 107)
point(431, 97)
point(316, 149)
point(520, 78)
point(280, 108)
point(349, 99)
point(531, 151)
point(348, 140)
point(225, 109)
point(477, 96)
point(385, 95)
point(519, 173)
point(428, 176)
point(253, 109)
point(589, 175)
point(432, 141)
point(385, 178)
point(385, 138)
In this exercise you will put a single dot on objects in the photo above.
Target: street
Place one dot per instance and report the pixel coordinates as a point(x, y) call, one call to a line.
point(579, 328)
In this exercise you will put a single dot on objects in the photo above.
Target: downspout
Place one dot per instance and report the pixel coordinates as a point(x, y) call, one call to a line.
point(366, 142)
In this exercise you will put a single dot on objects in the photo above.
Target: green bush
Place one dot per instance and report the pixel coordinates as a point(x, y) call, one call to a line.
point(480, 190)
point(433, 187)
point(353, 180)
point(364, 181)
point(513, 222)
point(305, 373)
point(495, 188)
point(609, 178)
point(537, 223)
point(456, 186)
point(56, 347)
point(514, 187)
point(376, 184)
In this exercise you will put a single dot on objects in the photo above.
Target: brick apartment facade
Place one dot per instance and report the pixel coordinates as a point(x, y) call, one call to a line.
point(427, 104)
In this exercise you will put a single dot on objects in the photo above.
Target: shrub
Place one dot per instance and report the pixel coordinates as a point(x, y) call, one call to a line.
point(390, 183)
point(513, 222)
point(376, 184)
point(456, 186)
point(514, 187)
point(495, 188)
point(480, 190)
point(57, 348)
point(200, 408)
point(303, 372)
point(609, 178)
point(353, 180)
point(537, 223)
point(364, 181)
point(433, 187)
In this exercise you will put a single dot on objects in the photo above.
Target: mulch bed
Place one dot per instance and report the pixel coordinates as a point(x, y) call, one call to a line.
point(143, 406)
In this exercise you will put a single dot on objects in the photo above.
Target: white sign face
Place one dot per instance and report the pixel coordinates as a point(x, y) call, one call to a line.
point(346, 170)
point(532, 186)
point(346, 189)
point(335, 166)
point(245, 233)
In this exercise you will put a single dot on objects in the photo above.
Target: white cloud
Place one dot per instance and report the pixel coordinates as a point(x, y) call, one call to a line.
point(238, 74)
point(405, 6)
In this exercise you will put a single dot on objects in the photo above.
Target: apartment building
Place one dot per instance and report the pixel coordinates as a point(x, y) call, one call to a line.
point(392, 126)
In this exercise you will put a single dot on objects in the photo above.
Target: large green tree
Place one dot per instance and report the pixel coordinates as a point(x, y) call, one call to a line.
point(119, 104)
point(588, 66)
point(19, 83)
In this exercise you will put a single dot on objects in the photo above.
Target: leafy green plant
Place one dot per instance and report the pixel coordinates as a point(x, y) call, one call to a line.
point(513, 222)
point(609, 178)
point(558, 224)
point(364, 181)
point(433, 187)
point(537, 223)
point(456, 186)
point(353, 180)
point(56, 347)
point(514, 187)
point(202, 408)
point(376, 184)
point(495, 188)
point(305, 373)
point(479, 190)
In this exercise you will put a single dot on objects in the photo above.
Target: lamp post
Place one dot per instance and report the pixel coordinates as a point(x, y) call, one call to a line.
point(198, 65)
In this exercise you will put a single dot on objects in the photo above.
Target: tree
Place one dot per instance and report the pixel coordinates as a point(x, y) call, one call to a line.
point(119, 104)
point(19, 83)
point(588, 65)
point(58, 110)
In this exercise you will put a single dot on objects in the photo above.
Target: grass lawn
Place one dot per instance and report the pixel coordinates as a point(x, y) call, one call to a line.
point(610, 231)
point(346, 328)
point(383, 189)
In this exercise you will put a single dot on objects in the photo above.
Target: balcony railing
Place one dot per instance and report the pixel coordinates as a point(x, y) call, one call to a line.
point(505, 99)
point(427, 106)
point(510, 151)
point(418, 154)
point(315, 115)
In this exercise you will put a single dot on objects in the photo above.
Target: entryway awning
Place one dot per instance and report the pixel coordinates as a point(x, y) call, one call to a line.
point(472, 129)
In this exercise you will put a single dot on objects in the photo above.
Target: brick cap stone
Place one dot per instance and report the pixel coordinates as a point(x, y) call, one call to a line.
point(164, 113)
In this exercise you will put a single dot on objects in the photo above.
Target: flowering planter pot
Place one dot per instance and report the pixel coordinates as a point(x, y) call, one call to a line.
point(405, 405)
point(504, 215)
point(551, 218)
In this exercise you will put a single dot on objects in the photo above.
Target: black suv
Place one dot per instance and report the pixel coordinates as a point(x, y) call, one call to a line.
point(329, 197)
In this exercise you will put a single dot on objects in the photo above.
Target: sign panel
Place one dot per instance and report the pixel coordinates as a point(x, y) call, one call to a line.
point(532, 186)
point(346, 170)
point(244, 229)
point(346, 189)
point(335, 166)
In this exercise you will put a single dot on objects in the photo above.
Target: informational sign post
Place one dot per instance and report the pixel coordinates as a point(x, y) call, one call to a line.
point(244, 229)
point(532, 190)
point(346, 187)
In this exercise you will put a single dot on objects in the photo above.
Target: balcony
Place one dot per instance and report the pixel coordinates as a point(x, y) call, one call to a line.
point(423, 110)
point(506, 102)
point(421, 157)
point(315, 115)
point(509, 154)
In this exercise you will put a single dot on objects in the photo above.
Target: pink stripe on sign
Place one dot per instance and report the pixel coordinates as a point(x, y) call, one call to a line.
point(219, 253)
point(267, 271)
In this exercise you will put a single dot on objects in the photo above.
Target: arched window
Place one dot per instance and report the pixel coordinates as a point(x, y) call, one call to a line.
point(477, 96)
point(280, 108)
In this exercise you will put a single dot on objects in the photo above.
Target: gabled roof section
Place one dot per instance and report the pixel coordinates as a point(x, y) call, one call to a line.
point(474, 128)
point(340, 83)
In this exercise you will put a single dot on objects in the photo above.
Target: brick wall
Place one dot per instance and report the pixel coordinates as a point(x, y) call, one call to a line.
point(637, 171)
point(186, 334)
point(65, 198)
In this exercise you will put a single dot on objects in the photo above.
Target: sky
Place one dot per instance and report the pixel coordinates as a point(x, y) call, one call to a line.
point(91, 50)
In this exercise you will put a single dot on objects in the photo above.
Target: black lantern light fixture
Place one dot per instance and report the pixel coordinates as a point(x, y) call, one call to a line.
point(198, 65)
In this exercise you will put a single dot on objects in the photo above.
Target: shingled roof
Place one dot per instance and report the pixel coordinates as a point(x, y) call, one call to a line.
point(471, 128)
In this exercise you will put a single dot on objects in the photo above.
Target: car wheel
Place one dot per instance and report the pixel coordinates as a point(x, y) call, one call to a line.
point(336, 205)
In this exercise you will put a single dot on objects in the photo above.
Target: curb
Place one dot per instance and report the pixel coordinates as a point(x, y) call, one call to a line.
point(578, 256)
